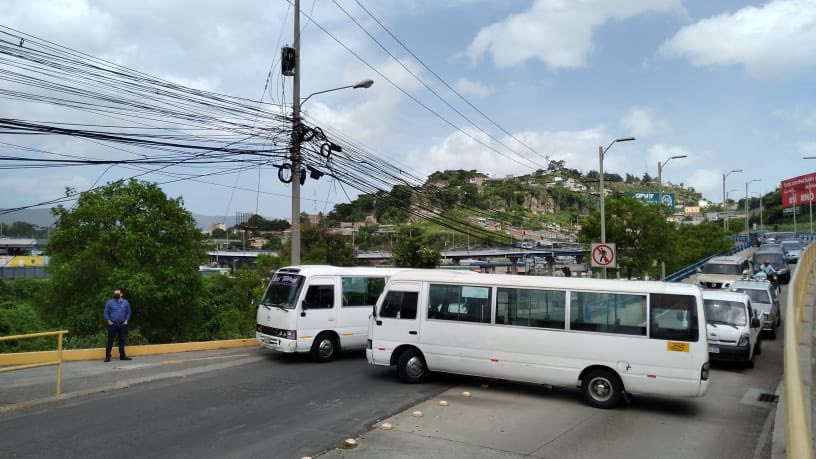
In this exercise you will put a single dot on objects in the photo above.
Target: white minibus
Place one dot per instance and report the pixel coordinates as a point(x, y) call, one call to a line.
point(319, 309)
point(611, 338)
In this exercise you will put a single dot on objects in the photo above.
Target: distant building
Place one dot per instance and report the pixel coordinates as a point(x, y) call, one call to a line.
point(217, 226)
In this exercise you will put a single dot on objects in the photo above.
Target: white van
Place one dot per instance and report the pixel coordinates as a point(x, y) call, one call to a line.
point(608, 337)
point(733, 327)
point(319, 309)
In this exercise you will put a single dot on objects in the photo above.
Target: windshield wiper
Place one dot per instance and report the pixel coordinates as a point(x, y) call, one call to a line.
point(722, 322)
point(274, 306)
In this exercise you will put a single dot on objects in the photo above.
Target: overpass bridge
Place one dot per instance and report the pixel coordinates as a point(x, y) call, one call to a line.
point(250, 403)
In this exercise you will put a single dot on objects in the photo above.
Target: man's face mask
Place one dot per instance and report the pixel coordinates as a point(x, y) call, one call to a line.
point(117, 296)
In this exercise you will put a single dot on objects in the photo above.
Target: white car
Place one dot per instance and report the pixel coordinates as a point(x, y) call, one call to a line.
point(733, 327)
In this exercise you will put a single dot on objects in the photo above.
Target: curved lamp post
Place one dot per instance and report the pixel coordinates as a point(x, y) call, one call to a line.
point(660, 177)
point(601, 152)
point(725, 217)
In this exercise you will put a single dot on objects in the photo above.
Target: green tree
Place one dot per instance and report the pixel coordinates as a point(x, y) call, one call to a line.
point(319, 246)
point(20, 229)
point(412, 251)
point(641, 234)
point(127, 235)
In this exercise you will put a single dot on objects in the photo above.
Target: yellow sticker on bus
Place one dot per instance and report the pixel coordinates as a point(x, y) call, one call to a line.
point(677, 347)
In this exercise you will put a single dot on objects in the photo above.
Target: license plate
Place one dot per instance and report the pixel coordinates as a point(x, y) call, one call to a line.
point(713, 349)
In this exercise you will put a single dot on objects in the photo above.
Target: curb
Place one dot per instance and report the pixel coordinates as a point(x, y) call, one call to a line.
point(126, 384)
point(26, 358)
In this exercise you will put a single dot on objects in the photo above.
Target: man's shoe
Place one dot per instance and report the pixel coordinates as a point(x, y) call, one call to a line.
point(125, 358)
point(107, 359)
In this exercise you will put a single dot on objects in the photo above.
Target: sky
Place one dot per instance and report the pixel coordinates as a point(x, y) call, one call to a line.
point(730, 84)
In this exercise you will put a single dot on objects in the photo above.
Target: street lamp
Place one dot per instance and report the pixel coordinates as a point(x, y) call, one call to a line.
point(296, 104)
point(601, 152)
point(725, 217)
point(725, 206)
point(747, 232)
point(759, 195)
point(660, 178)
point(360, 84)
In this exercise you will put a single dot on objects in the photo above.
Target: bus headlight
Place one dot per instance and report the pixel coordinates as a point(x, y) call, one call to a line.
point(743, 341)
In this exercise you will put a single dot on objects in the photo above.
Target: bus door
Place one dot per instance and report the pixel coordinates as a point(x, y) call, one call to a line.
point(317, 310)
point(397, 321)
point(358, 296)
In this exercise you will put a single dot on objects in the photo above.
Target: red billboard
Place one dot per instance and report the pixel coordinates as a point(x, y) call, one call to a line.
point(798, 190)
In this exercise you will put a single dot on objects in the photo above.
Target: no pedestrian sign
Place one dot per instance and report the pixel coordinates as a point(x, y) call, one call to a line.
point(603, 255)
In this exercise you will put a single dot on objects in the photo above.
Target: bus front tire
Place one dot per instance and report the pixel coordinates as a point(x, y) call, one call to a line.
point(602, 388)
point(411, 367)
point(324, 348)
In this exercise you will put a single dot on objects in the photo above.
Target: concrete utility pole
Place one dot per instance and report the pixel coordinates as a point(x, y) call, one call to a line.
point(660, 178)
point(747, 196)
point(601, 152)
point(295, 243)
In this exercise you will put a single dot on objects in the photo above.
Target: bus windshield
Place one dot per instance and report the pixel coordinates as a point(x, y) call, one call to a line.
point(721, 268)
point(283, 291)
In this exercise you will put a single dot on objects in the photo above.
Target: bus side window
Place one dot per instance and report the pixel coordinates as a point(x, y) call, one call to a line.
point(399, 305)
point(673, 317)
point(319, 297)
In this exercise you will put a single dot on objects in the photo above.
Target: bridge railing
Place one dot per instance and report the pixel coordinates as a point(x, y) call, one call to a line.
point(692, 268)
point(59, 334)
point(797, 425)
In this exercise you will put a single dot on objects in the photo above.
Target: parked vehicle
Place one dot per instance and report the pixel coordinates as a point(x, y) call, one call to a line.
point(608, 337)
point(765, 299)
point(776, 259)
point(793, 250)
point(319, 309)
point(733, 328)
point(721, 272)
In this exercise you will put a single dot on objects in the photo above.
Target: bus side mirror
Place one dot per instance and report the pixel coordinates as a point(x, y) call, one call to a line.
point(699, 269)
point(755, 322)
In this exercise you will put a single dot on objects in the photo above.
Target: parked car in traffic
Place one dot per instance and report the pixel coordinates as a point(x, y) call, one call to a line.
point(793, 250)
point(764, 298)
point(733, 327)
point(721, 272)
point(776, 258)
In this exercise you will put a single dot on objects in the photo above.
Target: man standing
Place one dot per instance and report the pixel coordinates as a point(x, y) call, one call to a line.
point(117, 314)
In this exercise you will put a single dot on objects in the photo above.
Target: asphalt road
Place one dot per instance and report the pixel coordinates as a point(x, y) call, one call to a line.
point(282, 406)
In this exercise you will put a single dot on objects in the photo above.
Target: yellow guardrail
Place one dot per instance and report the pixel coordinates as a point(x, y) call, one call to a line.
point(57, 362)
point(797, 426)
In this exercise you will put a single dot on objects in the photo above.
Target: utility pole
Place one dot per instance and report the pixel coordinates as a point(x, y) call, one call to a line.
point(295, 243)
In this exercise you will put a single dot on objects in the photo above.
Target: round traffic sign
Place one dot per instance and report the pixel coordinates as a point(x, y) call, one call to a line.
point(603, 255)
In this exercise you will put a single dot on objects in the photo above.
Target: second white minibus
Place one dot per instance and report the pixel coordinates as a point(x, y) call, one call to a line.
point(319, 309)
point(611, 338)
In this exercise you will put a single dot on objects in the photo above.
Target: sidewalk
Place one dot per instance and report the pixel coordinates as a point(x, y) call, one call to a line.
point(37, 385)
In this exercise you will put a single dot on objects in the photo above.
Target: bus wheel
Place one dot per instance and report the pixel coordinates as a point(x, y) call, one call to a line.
point(601, 388)
point(411, 367)
point(324, 348)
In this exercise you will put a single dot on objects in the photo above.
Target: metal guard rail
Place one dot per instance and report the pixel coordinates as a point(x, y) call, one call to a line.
point(57, 362)
point(797, 428)
point(692, 268)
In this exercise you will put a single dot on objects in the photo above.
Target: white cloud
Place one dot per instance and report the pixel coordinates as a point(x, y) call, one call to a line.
point(642, 122)
point(557, 32)
point(660, 152)
point(770, 41)
point(800, 117)
point(709, 183)
point(807, 148)
point(467, 87)
point(579, 149)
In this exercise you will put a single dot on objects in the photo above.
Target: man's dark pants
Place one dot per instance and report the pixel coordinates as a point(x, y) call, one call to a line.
point(119, 331)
